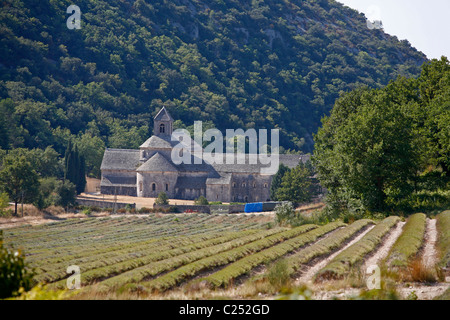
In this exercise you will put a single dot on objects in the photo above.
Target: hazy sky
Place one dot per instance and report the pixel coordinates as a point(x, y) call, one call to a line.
point(424, 23)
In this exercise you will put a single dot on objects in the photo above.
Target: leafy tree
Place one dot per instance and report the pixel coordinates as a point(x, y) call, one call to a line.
point(75, 168)
point(379, 147)
point(4, 202)
point(162, 199)
point(14, 272)
point(201, 201)
point(296, 185)
point(276, 181)
point(19, 180)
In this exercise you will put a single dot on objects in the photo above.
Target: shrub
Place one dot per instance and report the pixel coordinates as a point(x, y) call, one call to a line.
point(285, 213)
point(14, 272)
point(201, 201)
point(145, 210)
point(162, 199)
point(278, 274)
point(122, 210)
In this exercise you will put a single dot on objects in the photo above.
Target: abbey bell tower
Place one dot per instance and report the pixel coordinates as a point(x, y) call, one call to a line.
point(163, 124)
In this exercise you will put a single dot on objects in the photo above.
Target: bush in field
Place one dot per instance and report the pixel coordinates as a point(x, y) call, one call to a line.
point(14, 273)
point(278, 275)
point(145, 210)
point(285, 213)
point(162, 199)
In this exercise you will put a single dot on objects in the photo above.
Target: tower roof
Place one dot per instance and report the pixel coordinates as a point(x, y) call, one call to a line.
point(163, 115)
point(157, 163)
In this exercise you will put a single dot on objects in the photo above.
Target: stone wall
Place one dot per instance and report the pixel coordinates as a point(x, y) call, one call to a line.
point(205, 209)
point(103, 204)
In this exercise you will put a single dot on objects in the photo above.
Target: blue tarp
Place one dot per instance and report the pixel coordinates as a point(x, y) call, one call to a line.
point(254, 207)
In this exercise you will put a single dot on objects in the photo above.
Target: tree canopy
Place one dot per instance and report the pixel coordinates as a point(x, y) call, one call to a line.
point(380, 146)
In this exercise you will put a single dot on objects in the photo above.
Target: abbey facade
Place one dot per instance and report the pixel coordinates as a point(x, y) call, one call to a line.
point(149, 171)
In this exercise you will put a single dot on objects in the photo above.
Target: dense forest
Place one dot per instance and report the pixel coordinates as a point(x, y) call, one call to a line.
point(235, 64)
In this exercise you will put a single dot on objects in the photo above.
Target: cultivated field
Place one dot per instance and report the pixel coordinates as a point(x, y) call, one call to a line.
point(238, 256)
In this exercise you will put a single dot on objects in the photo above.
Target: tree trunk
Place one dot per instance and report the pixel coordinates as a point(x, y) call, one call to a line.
point(15, 208)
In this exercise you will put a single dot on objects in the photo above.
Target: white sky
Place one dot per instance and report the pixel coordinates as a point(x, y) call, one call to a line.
point(424, 23)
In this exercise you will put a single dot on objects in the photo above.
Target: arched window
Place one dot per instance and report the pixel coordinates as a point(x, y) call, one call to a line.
point(265, 185)
point(167, 187)
point(140, 186)
point(234, 184)
point(162, 128)
point(244, 185)
point(153, 186)
point(254, 185)
point(246, 199)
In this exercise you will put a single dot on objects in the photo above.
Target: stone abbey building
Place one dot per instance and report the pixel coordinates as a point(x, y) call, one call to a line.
point(149, 171)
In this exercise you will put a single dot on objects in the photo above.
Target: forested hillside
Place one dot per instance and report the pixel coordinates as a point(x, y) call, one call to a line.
point(235, 63)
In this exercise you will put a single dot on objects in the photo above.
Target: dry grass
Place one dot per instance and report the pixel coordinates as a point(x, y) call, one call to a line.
point(418, 272)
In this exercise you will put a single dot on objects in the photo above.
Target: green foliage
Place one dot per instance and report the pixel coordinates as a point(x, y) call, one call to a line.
point(14, 272)
point(41, 292)
point(410, 241)
point(277, 180)
point(278, 274)
point(296, 185)
point(201, 201)
point(232, 63)
point(285, 213)
point(4, 203)
point(162, 199)
point(75, 168)
point(19, 179)
point(443, 227)
point(379, 149)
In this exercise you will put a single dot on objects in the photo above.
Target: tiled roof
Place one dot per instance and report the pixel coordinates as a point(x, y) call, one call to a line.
point(120, 159)
point(157, 163)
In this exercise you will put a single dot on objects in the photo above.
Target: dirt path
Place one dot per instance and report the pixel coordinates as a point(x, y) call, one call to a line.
point(306, 277)
point(429, 255)
point(383, 250)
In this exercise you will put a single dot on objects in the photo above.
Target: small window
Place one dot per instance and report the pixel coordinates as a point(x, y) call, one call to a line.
point(234, 184)
point(246, 199)
point(153, 186)
point(254, 185)
point(140, 186)
point(162, 128)
point(265, 185)
point(244, 185)
point(217, 197)
point(167, 187)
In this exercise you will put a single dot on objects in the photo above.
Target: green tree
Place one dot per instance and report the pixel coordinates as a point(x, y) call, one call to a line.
point(162, 199)
point(19, 180)
point(201, 201)
point(296, 185)
point(364, 153)
point(75, 168)
point(276, 181)
point(14, 272)
point(4, 202)
point(92, 149)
